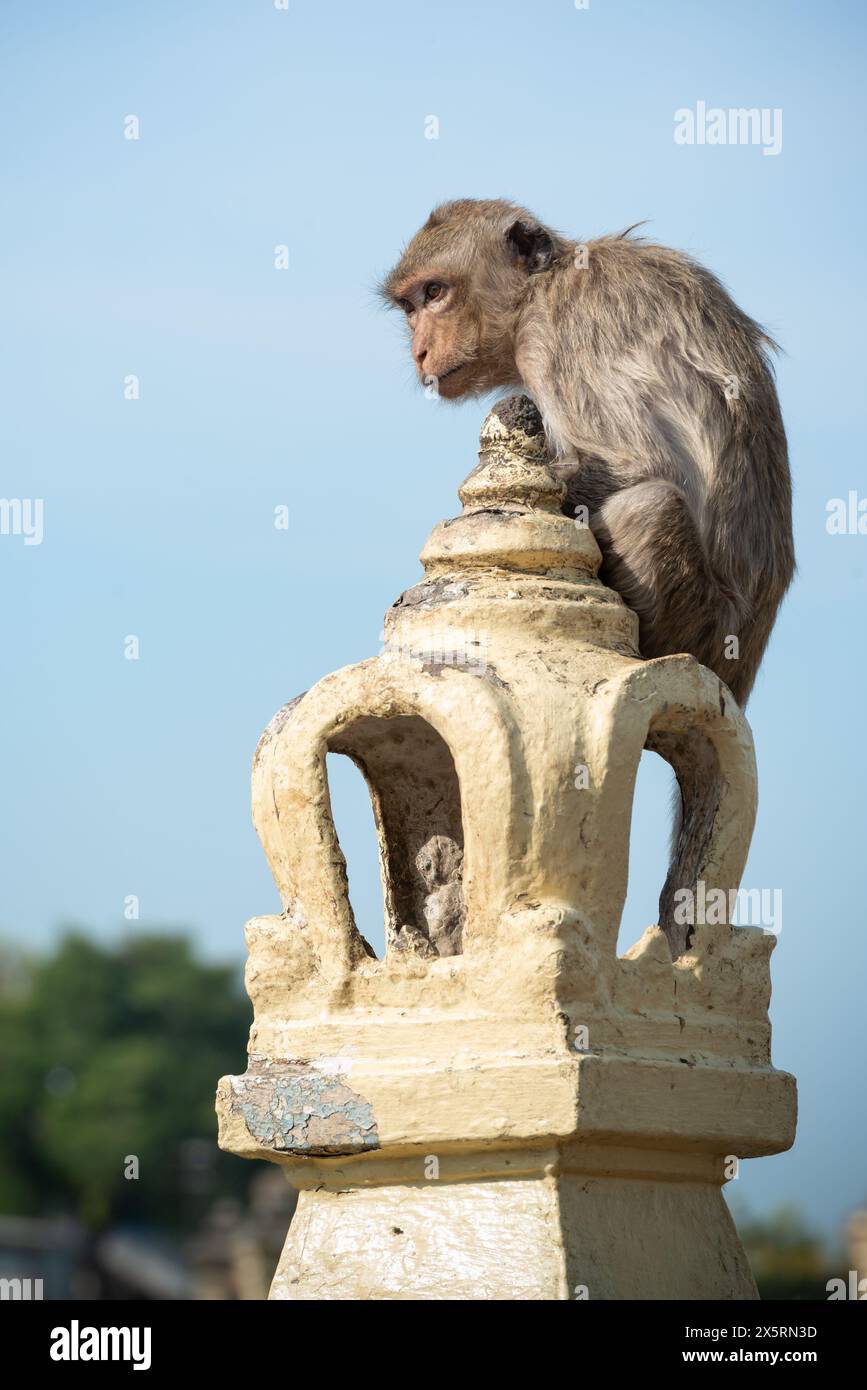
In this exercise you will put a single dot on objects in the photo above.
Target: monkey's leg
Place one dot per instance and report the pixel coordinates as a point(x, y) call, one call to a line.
point(654, 556)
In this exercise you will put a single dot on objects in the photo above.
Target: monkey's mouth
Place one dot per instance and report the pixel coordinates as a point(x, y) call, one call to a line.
point(450, 374)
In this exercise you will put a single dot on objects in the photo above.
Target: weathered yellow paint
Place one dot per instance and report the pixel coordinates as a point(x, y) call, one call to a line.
point(502, 1107)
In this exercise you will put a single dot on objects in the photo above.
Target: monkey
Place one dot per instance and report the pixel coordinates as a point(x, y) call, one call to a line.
point(659, 405)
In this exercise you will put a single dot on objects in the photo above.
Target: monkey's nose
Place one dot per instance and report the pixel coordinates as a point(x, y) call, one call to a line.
point(420, 354)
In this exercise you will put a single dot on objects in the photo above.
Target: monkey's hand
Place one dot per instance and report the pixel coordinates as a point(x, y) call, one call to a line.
point(589, 483)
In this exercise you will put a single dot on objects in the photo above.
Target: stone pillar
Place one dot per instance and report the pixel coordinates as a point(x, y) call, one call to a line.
point(503, 1108)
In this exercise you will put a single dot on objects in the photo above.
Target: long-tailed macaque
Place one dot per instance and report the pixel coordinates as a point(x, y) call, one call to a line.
point(658, 403)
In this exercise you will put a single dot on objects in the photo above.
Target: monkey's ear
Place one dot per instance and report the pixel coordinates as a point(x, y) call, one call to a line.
point(532, 245)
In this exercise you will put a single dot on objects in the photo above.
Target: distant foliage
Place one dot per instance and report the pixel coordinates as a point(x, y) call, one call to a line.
point(113, 1052)
point(789, 1261)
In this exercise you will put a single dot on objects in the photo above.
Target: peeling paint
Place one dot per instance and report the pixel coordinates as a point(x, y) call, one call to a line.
point(432, 593)
point(297, 1107)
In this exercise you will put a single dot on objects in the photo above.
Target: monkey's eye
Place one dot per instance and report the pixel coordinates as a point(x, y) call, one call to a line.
point(406, 305)
point(432, 291)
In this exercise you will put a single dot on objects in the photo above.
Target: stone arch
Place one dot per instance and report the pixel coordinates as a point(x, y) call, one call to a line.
point(414, 790)
point(676, 708)
point(463, 867)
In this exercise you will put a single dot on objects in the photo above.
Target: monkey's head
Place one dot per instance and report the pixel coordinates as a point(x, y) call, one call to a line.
point(461, 282)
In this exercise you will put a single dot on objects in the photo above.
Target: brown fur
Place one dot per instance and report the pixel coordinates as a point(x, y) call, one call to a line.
point(628, 360)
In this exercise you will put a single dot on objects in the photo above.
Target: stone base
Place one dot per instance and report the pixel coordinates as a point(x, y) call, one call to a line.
point(584, 1234)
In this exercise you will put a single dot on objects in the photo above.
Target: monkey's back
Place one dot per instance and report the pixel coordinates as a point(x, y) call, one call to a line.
point(644, 368)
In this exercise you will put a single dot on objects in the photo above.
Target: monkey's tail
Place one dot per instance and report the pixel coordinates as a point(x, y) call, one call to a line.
point(696, 797)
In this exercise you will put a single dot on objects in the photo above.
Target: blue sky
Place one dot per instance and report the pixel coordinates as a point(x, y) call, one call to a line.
point(261, 387)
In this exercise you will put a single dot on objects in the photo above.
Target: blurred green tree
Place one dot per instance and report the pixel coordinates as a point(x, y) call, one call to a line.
point(789, 1261)
point(112, 1053)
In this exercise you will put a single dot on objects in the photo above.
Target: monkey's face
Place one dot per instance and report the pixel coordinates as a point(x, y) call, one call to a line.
point(460, 284)
point(446, 338)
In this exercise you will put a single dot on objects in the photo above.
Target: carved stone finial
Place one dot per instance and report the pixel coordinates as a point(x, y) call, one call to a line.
point(517, 415)
point(513, 455)
point(512, 545)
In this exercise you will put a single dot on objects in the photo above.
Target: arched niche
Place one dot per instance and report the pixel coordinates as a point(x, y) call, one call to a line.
point(416, 803)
